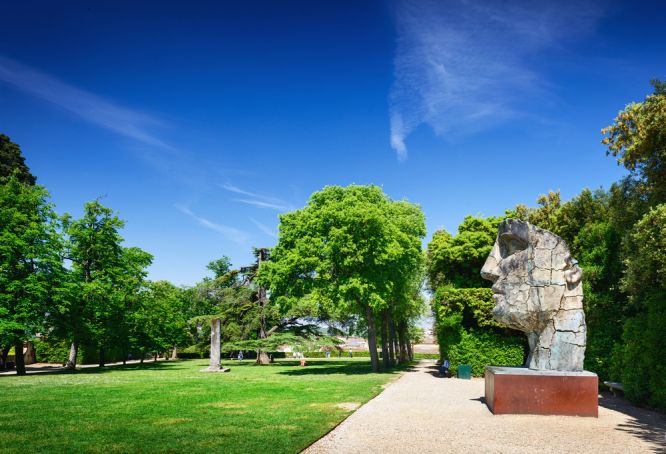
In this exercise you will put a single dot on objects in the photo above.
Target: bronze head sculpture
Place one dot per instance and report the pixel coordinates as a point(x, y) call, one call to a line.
point(537, 289)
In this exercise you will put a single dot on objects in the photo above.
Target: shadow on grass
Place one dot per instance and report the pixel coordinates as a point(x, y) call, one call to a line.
point(335, 367)
point(58, 370)
point(645, 424)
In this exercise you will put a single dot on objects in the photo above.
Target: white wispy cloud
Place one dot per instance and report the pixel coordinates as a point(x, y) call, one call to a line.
point(262, 204)
point(88, 106)
point(258, 200)
point(462, 65)
point(264, 228)
point(229, 232)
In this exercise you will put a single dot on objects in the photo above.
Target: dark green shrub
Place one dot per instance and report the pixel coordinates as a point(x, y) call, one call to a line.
point(468, 334)
point(52, 351)
point(643, 370)
point(482, 348)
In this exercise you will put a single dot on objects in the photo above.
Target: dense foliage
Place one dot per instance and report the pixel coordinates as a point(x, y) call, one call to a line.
point(12, 162)
point(29, 262)
point(468, 334)
point(351, 259)
point(352, 250)
point(638, 139)
point(457, 260)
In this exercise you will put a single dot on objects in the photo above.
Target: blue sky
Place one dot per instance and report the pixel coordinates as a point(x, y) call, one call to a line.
point(199, 124)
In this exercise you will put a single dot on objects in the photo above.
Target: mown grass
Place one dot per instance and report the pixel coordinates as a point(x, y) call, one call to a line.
point(172, 407)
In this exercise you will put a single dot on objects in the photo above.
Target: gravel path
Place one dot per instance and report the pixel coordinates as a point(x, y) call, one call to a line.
point(421, 413)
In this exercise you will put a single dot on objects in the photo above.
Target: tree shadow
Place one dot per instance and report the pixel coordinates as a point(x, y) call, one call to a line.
point(60, 370)
point(434, 371)
point(645, 424)
point(337, 367)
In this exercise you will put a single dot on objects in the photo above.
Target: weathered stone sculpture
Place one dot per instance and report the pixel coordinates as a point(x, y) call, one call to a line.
point(537, 289)
point(215, 348)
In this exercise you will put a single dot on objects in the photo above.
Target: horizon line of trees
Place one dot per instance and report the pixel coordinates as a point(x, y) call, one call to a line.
point(350, 260)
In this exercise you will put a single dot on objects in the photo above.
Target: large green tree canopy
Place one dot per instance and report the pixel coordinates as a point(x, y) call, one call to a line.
point(457, 260)
point(30, 247)
point(350, 250)
point(12, 161)
point(638, 139)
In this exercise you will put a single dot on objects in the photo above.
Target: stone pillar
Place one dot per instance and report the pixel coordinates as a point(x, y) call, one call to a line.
point(215, 348)
point(214, 344)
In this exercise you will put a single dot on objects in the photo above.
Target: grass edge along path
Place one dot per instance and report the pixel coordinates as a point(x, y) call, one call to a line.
point(170, 406)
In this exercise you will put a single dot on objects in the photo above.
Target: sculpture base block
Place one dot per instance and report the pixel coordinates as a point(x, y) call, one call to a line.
point(520, 391)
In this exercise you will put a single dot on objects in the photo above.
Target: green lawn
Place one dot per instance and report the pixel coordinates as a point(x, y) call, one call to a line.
point(172, 407)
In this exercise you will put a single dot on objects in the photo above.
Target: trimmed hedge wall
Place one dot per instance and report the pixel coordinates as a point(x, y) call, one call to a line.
point(468, 334)
point(482, 348)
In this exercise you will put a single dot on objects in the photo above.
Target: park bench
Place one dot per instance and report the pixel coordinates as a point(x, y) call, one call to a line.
point(614, 386)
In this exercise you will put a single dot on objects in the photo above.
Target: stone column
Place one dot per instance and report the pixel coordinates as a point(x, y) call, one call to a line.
point(214, 344)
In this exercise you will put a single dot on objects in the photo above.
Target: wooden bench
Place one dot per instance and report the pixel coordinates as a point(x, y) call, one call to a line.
point(614, 386)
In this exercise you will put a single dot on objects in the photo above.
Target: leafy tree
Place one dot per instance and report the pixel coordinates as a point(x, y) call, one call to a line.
point(458, 260)
point(29, 262)
point(228, 297)
point(12, 160)
point(103, 275)
point(345, 253)
point(159, 320)
point(638, 139)
point(220, 267)
point(642, 368)
point(129, 283)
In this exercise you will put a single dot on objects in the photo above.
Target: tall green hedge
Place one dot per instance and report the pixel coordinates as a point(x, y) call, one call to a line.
point(468, 334)
point(483, 348)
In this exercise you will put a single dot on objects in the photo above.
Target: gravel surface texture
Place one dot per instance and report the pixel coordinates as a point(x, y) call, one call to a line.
point(422, 413)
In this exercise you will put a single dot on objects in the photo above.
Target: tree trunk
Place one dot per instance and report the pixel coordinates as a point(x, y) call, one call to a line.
point(372, 338)
point(391, 338)
point(3, 357)
point(386, 362)
point(143, 355)
point(396, 343)
point(410, 353)
point(73, 352)
point(402, 342)
point(262, 356)
point(101, 356)
point(18, 356)
point(174, 352)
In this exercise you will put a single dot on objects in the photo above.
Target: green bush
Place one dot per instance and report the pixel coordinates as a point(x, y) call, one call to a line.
point(467, 333)
point(193, 352)
point(643, 370)
point(482, 348)
point(54, 351)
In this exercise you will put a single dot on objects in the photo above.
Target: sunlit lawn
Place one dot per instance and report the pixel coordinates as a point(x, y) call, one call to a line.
point(172, 407)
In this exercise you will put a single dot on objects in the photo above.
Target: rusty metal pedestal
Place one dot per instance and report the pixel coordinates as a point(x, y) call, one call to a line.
point(518, 390)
